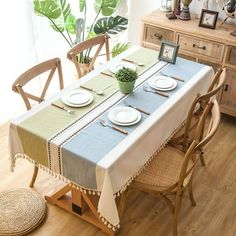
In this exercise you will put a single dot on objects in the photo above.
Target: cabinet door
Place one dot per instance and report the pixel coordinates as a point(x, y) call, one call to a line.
point(154, 35)
point(228, 99)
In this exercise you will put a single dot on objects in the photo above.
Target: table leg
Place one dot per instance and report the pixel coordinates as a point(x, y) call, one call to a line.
point(80, 204)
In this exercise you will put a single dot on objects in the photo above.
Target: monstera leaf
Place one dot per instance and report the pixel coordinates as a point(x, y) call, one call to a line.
point(64, 21)
point(111, 25)
point(47, 8)
point(57, 12)
point(107, 7)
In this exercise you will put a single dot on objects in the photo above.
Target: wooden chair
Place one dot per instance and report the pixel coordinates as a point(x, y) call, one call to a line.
point(49, 67)
point(184, 137)
point(87, 45)
point(170, 172)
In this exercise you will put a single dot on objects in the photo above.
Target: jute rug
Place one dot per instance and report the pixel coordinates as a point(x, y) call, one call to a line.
point(21, 211)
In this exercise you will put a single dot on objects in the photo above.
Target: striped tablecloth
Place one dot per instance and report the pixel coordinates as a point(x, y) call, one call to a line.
point(96, 158)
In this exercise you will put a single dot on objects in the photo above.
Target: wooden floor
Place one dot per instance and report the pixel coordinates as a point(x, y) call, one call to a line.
point(214, 188)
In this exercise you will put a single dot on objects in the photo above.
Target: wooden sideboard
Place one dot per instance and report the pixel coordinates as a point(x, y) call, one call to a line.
point(215, 47)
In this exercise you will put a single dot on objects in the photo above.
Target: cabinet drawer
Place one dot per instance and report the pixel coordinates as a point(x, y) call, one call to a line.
point(155, 35)
point(231, 58)
point(201, 47)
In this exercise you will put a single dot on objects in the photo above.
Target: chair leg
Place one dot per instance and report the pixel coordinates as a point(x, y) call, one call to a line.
point(202, 158)
point(190, 192)
point(175, 216)
point(35, 173)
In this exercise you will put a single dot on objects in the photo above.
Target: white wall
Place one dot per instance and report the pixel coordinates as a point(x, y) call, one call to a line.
point(138, 9)
point(17, 52)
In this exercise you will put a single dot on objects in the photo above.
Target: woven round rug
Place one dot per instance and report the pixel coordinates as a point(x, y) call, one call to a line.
point(21, 211)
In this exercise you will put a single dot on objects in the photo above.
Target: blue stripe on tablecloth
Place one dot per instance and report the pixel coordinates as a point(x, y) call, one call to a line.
point(89, 146)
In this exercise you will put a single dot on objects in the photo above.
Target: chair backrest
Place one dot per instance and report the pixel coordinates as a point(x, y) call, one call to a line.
point(200, 102)
point(77, 52)
point(49, 66)
point(214, 122)
point(199, 141)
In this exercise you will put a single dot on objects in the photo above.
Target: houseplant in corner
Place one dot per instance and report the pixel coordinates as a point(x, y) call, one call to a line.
point(76, 29)
point(126, 78)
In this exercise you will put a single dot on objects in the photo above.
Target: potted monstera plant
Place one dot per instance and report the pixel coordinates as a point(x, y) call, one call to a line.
point(75, 29)
point(126, 78)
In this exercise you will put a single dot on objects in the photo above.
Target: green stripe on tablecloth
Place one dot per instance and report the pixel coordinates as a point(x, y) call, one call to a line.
point(145, 56)
point(50, 120)
point(40, 127)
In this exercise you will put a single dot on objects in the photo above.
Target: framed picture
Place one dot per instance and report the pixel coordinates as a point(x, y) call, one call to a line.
point(168, 52)
point(208, 19)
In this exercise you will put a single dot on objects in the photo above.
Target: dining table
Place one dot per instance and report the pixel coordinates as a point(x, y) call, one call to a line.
point(90, 147)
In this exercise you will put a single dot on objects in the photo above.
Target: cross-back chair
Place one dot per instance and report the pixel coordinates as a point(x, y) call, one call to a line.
point(183, 138)
point(78, 53)
point(170, 172)
point(49, 67)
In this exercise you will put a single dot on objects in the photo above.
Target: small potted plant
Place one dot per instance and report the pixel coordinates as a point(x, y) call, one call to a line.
point(126, 78)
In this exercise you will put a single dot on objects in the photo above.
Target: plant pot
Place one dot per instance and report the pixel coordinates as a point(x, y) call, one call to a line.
point(84, 67)
point(126, 87)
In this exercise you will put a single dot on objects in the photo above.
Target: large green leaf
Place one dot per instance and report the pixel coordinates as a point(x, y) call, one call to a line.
point(82, 4)
point(47, 8)
point(65, 8)
point(62, 22)
point(107, 7)
point(111, 25)
point(119, 48)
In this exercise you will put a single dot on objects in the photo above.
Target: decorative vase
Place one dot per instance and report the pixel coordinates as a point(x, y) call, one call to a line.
point(126, 87)
point(185, 13)
point(177, 8)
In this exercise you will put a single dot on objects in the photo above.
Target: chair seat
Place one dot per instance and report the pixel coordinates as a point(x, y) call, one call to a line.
point(163, 171)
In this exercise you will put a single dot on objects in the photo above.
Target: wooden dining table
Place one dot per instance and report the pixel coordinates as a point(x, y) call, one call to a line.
point(96, 162)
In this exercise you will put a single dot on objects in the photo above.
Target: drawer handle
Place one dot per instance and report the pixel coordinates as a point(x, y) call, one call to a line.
point(196, 46)
point(226, 87)
point(159, 36)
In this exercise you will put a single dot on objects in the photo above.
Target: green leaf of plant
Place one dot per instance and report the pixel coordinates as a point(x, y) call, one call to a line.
point(119, 48)
point(111, 25)
point(107, 7)
point(82, 4)
point(62, 22)
point(71, 24)
point(47, 8)
point(65, 8)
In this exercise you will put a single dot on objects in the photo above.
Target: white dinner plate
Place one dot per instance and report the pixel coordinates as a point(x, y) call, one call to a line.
point(124, 116)
point(120, 65)
point(162, 83)
point(77, 98)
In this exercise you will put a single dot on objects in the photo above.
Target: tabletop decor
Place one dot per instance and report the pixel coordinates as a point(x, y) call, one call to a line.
point(230, 10)
point(208, 19)
point(185, 13)
point(168, 51)
point(126, 78)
